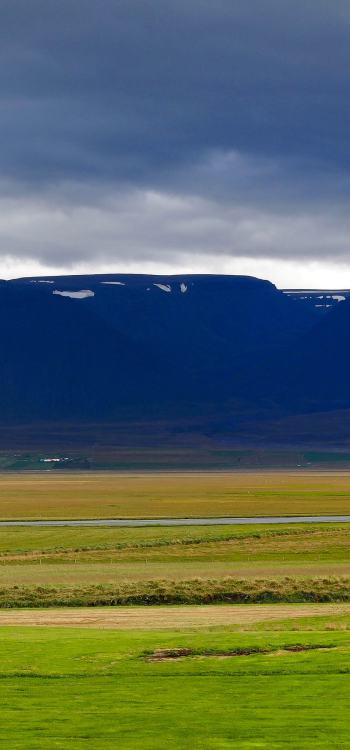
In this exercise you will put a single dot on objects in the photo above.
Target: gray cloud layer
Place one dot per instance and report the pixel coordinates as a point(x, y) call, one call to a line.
point(153, 130)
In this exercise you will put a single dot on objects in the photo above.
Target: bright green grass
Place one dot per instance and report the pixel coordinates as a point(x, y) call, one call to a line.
point(83, 689)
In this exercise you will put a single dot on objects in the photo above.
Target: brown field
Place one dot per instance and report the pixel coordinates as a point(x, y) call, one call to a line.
point(85, 574)
point(113, 495)
point(157, 618)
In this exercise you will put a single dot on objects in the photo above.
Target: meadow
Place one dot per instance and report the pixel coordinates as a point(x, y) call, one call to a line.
point(154, 495)
point(248, 645)
point(76, 566)
point(281, 683)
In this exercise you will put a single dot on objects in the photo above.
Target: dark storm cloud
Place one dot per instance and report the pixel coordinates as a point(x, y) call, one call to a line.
point(116, 89)
point(232, 109)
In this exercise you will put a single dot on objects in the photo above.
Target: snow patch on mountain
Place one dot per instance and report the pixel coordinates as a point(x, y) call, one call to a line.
point(81, 294)
point(163, 287)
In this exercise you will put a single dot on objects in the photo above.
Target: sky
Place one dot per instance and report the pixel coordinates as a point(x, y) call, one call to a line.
point(206, 136)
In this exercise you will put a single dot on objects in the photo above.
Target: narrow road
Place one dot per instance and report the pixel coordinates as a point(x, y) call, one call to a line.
point(139, 522)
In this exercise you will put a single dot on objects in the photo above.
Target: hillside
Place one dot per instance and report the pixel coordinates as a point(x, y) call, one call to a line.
point(228, 350)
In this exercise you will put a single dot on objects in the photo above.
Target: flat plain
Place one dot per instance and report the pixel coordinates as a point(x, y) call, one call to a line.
point(91, 565)
point(154, 495)
point(84, 556)
point(262, 684)
point(191, 675)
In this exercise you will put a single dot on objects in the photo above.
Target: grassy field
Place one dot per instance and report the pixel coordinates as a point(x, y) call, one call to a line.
point(65, 565)
point(238, 686)
point(109, 573)
point(80, 669)
point(109, 495)
point(57, 566)
point(241, 544)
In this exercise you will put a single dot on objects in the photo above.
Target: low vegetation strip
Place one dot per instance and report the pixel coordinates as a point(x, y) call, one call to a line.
point(195, 591)
point(169, 654)
point(278, 617)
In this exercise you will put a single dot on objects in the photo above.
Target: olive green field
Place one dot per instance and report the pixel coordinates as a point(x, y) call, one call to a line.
point(172, 495)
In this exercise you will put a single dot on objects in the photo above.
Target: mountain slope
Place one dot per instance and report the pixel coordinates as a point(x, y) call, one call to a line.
point(228, 350)
point(96, 347)
point(58, 360)
point(319, 372)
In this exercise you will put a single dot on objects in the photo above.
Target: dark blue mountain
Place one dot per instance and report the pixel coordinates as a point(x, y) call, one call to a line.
point(106, 347)
point(318, 375)
point(58, 360)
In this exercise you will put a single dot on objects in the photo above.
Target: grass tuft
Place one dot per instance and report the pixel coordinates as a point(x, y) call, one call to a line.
point(194, 591)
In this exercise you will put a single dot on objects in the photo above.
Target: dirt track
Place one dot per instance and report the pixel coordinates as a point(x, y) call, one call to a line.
point(154, 618)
